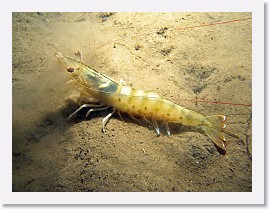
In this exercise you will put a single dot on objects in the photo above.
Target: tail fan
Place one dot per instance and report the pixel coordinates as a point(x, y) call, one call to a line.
point(214, 128)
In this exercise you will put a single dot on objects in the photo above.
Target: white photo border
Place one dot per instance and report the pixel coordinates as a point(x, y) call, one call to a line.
point(257, 196)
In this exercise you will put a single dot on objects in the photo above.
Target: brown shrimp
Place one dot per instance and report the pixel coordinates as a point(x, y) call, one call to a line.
point(134, 102)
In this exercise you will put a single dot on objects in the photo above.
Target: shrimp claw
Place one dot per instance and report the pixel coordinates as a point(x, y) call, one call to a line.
point(84, 106)
point(96, 109)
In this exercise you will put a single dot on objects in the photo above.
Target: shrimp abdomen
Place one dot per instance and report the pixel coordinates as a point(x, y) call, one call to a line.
point(151, 105)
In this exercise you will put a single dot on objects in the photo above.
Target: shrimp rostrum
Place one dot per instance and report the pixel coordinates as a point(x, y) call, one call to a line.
point(148, 105)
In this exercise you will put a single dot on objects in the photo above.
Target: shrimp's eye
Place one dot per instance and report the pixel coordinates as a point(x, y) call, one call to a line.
point(70, 69)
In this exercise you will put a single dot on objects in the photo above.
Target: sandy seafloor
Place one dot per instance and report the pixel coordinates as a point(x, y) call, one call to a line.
point(213, 63)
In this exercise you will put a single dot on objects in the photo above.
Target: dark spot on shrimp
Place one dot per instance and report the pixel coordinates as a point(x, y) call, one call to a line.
point(168, 114)
point(70, 69)
point(181, 118)
point(157, 109)
point(145, 108)
point(133, 107)
point(119, 99)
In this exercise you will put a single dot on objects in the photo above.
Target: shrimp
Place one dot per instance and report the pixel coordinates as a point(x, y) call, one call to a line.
point(140, 103)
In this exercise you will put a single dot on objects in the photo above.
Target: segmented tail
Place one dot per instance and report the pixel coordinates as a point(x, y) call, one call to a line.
point(214, 128)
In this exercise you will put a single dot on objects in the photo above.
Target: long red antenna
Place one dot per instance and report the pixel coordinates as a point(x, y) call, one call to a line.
point(218, 102)
point(176, 29)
